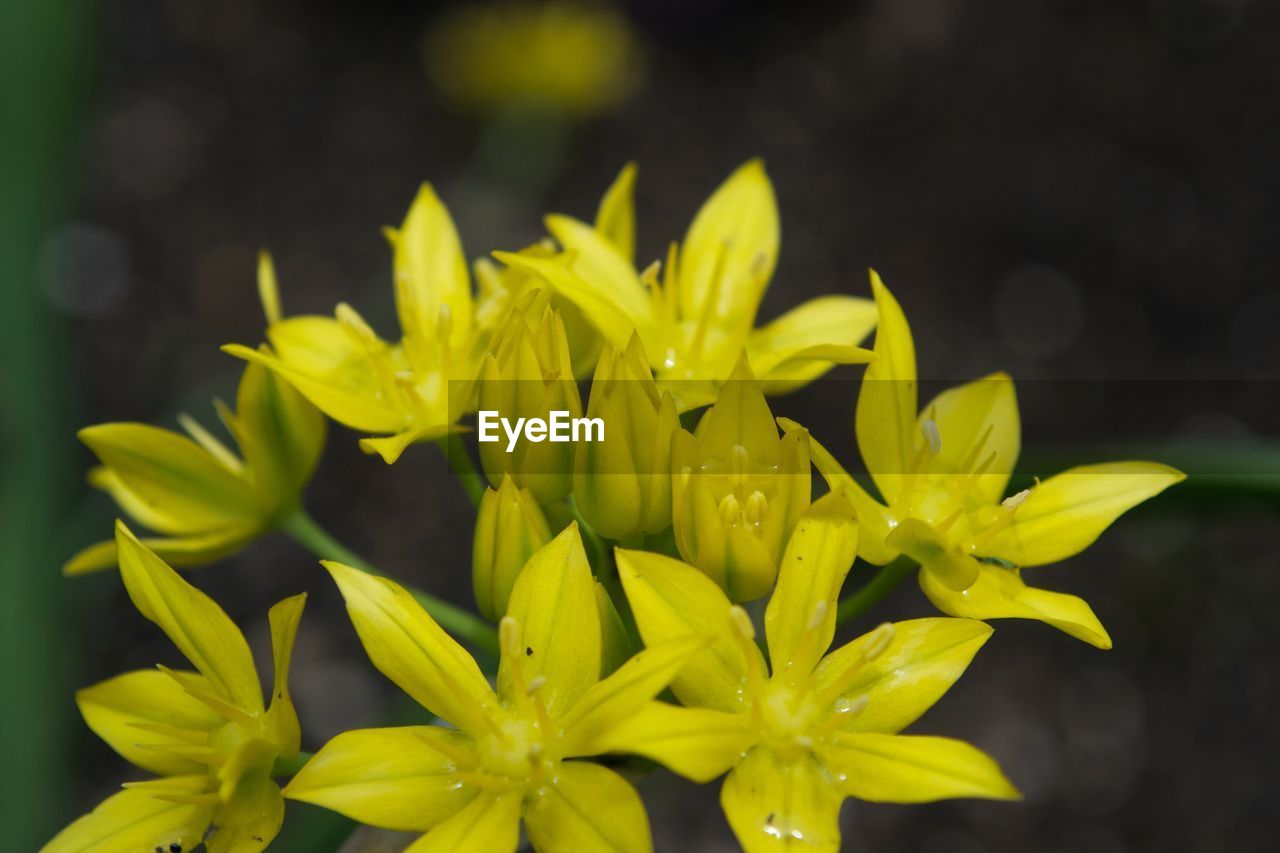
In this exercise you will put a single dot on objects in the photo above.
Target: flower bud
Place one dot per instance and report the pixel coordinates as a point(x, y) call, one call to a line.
point(622, 485)
point(738, 490)
point(510, 526)
point(528, 374)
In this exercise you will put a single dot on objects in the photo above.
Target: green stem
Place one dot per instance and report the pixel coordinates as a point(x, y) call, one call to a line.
point(304, 530)
point(875, 589)
point(463, 467)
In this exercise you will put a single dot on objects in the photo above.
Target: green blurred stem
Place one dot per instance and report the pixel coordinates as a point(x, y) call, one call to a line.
point(463, 467)
point(290, 766)
point(304, 530)
point(875, 589)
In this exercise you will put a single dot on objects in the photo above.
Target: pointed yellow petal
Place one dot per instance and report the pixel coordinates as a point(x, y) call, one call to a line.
point(391, 447)
point(587, 807)
point(1065, 514)
point(1000, 593)
point(490, 823)
point(281, 435)
point(778, 805)
point(885, 419)
point(408, 647)
point(430, 270)
point(818, 556)
point(884, 768)
point(254, 834)
point(617, 697)
point(135, 820)
point(616, 218)
point(281, 715)
point(598, 261)
point(554, 605)
point(401, 778)
point(834, 325)
point(697, 743)
point(733, 237)
point(178, 480)
point(193, 621)
point(921, 542)
point(155, 516)
point(922, 661)
point(672, 600)
point(976, 420)
point(177, 551)
point(140, 711)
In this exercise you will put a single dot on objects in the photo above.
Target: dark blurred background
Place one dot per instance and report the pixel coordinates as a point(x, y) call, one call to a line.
point(1083, 191)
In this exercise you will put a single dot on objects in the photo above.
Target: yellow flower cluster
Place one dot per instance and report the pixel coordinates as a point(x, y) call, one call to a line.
point(607, 573)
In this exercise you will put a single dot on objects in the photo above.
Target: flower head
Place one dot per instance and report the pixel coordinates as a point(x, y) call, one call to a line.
point(942, 472)
point(512, 753)
point(204, 499)
point(207, 734)
point(410, 390)
point(809, 728)
point(696, 312)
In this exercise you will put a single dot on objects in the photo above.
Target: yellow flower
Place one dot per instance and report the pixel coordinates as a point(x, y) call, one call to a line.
point(579, 58)
point(206, 734)
point(808, 729)
point(510, 527)
point(695, 316)
point(943, 472)
point(205, 500)
point(527, 373)
point(622, 485)
point(509, 754)
point(738, 489)
point(414, 389)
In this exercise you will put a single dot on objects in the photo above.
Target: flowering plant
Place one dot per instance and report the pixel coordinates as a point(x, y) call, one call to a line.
point(620, 584)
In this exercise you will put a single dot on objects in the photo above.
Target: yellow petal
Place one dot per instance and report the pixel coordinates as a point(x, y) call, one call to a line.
point(963, 416)
point(617, 697)
point(1065, 514)
point(281, 715)
point(672, 600)
point(177, 479)
point(778, 805)
point(252, 835)
point(281, 435)
point(178, 551)
point(733, 238)
point(874, 519)
point(140, 713)
point(401, 778)
point(490, 823)
point(800, 620)
point(135, 820)
point(615, 646)
point(554, 605)
point(885, 419)
point(884, 768)
point(408, 647)
point(697, 743)
point(156, 516)
point(587, 808)
point(922, 661)
point(1000, 593)
point(921, 542)
point(430, 271)
point(200, 629)
point(597, 260)
point(616, 218)
point(392, 447)
point(787, 352)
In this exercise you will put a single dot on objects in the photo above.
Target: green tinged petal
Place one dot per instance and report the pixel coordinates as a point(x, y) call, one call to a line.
point(882, 768)
point(490, 823)
point(392, 447)
point(698, 743)
point(430, 271)
point(256, 832)
point(282, 718)
point(1067, 512)
point(922, 661)
point(399, 778)
point(281, 436)
point(135, 820)
point(553, 604)
point(408, 647)
point(178, 551)
point(616, 218)
point(777, 805)
point(196, 625)
point(587, 808)
point(976, 420)
point(921, 542)
point(510, 527)
point(886, 412)
point(615, 645)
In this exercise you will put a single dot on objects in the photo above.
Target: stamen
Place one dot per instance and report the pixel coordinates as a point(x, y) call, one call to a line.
point(1014, 501)
point(932, 436)
point(444, 322)
point(729, 511)
point(845, 710)
point(755, 509)
point(873, 647)
point(806, 653)
point(745, 634)
point(461, 759)
point(972, 455)
point(878, 641)
point(739, 467)
point(943, 526)
point(709, 305)
point(535, 683)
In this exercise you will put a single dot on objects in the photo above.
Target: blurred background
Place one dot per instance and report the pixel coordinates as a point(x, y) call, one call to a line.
point(1085, 194)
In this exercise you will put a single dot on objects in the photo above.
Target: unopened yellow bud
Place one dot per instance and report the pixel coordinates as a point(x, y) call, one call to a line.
point(510, 526)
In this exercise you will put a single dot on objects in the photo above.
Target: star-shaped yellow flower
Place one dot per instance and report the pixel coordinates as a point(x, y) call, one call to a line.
point(207, 734)
point(511, 754)
point(942, 472)
point(808, 729)
point(697, 315)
